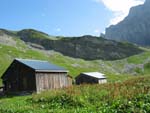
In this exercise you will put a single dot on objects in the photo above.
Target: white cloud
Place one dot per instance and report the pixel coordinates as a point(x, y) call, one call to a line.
point(120, 8)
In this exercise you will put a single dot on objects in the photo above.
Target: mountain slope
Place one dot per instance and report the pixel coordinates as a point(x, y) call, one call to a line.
point(33, 34)
point(85, 47)
point(134, 28)
point(114, 70)
point(91, 48)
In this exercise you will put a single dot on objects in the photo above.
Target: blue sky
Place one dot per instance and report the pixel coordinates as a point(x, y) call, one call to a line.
point(60, 17)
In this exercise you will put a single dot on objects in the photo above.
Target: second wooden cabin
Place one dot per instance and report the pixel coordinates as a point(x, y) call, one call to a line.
point(91, 78)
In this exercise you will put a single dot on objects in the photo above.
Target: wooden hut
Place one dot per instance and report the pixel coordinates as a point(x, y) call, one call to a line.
point(91, 78)
point(34, 76)
point(69, 80)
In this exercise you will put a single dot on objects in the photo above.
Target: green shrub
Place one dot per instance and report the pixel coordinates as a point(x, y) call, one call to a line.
point(147, 68)
point(57, 100)
point(139, 71)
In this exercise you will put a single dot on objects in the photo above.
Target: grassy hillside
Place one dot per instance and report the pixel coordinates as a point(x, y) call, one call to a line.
point(86, 47)
point(123, 97)
point(75, 66)
point(128, 94)
point(34, 34)
point(114, 70)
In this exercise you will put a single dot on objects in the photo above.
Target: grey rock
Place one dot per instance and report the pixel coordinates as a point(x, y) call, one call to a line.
point(134, 28)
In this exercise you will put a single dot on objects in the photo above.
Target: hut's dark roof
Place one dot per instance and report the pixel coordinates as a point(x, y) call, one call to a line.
point(39, 65)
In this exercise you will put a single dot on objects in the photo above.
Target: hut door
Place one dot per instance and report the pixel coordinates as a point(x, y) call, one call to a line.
point(25, 83)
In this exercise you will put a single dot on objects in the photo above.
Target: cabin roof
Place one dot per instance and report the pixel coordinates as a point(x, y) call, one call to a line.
point(41, 66)
point(95, 74)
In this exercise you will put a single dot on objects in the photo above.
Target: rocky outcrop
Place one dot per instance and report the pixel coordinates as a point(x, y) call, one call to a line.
point(6, 37)
point(134, 28)
point(85, 47)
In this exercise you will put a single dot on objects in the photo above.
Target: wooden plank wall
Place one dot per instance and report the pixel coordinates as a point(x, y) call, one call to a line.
point(69, 80)
point(84, 79)
point(47, 81)
point(19, 78)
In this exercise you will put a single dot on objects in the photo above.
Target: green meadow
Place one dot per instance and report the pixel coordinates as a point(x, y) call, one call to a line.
point(127, 89)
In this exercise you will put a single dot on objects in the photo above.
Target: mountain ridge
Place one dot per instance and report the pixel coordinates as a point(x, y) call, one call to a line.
point(86, 47)
point(135, 28)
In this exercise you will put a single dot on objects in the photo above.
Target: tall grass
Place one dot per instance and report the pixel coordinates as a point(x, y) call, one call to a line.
point(104, 92)
point(129, 96)
point(95, 96)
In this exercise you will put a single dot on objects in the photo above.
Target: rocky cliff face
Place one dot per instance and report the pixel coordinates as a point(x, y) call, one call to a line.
point(134, 28)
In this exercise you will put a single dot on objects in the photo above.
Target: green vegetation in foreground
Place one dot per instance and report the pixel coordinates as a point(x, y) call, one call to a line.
point(123, 97)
